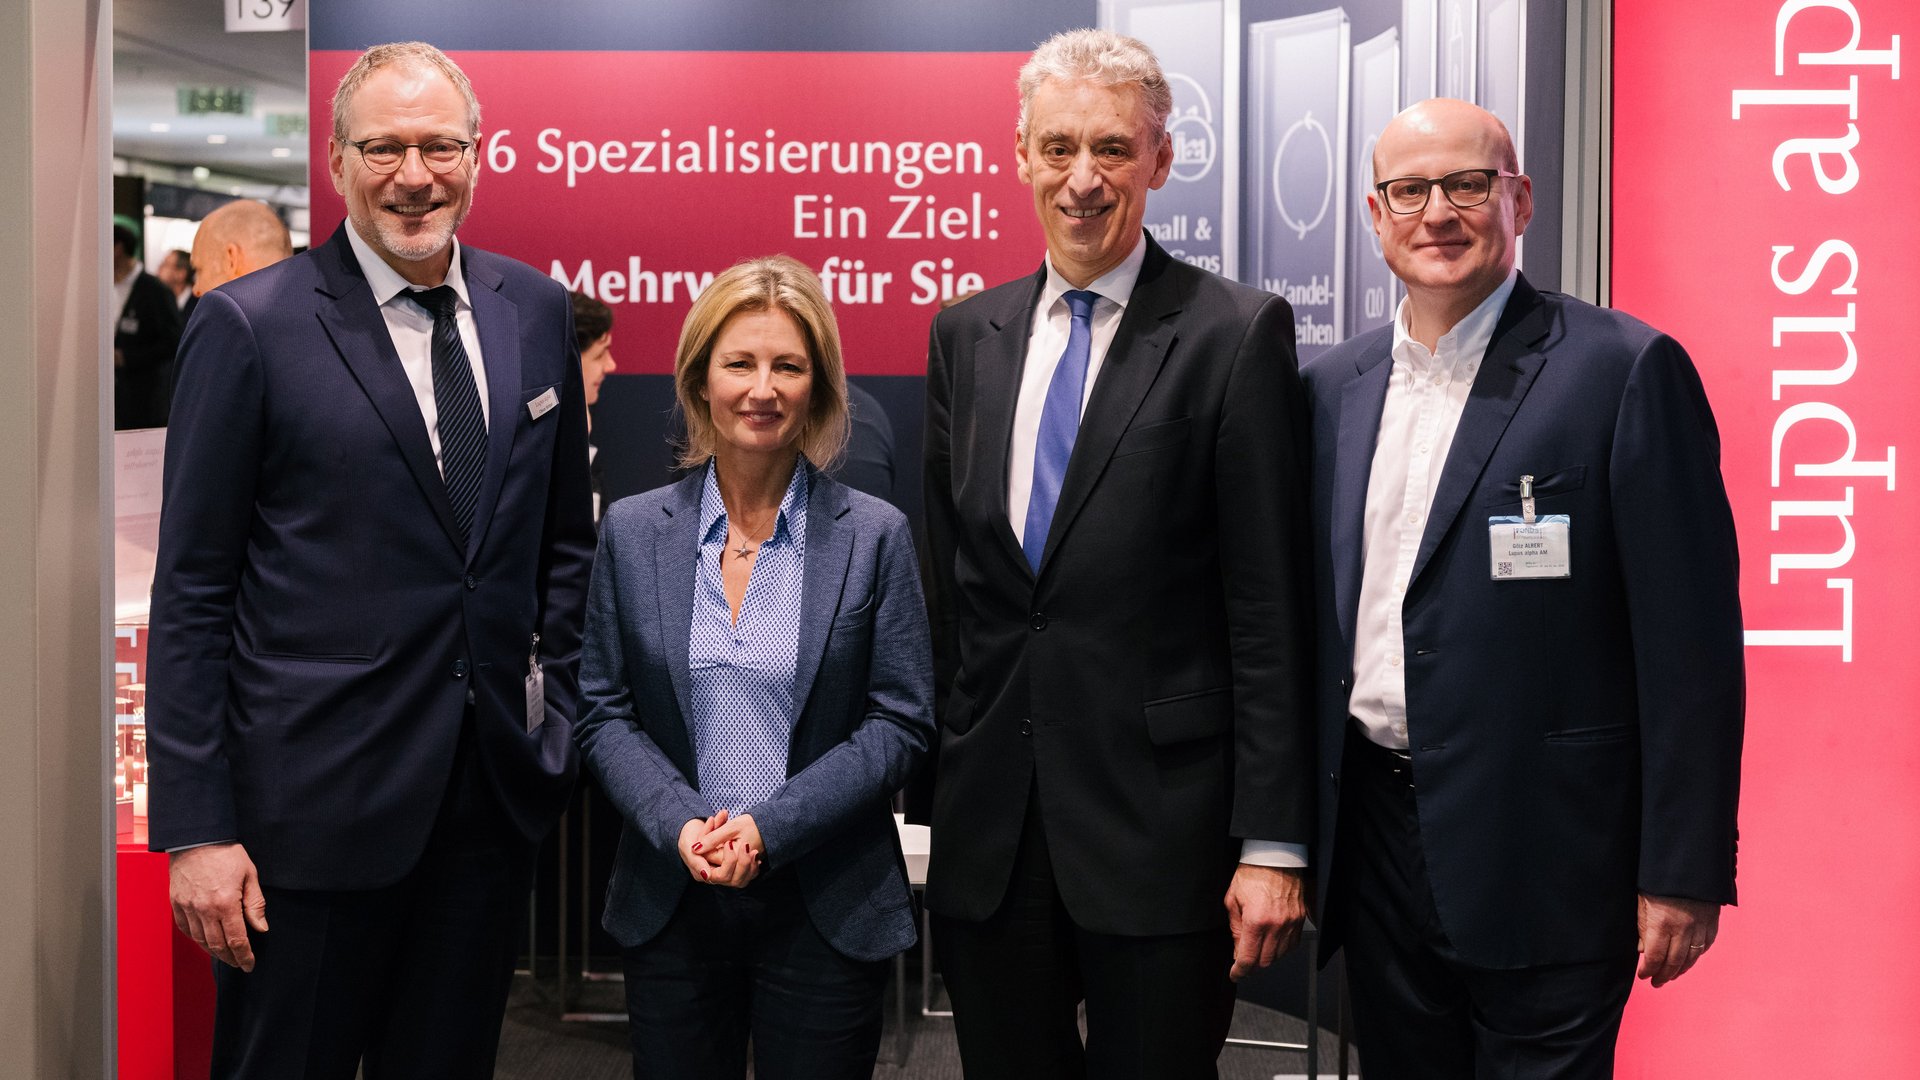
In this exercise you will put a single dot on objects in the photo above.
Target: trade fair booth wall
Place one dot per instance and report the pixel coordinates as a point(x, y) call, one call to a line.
point(1753, 163)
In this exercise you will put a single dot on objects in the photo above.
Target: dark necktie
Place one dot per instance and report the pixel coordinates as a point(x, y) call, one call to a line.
point(463, 426)
point(1059, 423)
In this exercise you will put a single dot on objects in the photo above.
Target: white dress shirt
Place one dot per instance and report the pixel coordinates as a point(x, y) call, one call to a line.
point(1045, 342)
point(411, 328)
point(1426, 393)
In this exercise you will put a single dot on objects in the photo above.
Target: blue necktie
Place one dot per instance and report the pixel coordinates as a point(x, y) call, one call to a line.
point(456, 397)
point(1059, 423)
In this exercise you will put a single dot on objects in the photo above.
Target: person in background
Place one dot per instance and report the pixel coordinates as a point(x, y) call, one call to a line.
point(868, 464)
point(375, 536)
point(237, 239)
point(1531, 680)
point(593, 333)
point(146, 331)
point(1116, 510)
point(756, 683)
point(176, 273)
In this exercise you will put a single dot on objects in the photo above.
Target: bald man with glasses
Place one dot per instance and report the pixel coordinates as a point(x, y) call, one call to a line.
point(1531, 685)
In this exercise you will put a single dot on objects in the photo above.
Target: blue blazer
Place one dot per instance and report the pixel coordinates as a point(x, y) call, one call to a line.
point(1575, 741)
point(864, 677)
point(318, 623)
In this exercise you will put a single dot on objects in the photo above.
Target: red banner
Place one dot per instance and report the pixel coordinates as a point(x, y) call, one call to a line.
point(636, 176)
point(1764, 213)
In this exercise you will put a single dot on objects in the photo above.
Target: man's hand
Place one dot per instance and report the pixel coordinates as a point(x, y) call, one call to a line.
point(1265, 910)
point(1674, 933)
point(216, 896)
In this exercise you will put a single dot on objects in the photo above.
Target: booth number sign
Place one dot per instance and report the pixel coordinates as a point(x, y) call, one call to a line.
point(266, 15)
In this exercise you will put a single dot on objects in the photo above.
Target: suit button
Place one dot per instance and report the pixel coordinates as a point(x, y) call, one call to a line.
point(1026, 727)
point(471, 581)
point(459, 669)
point(1039, 621)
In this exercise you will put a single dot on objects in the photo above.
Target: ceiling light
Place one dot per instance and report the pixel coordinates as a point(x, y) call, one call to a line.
point(216, 140)
point(201, 172)
point(159, 129)
point(282, 151)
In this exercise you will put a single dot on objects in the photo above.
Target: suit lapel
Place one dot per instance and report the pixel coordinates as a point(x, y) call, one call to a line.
point(1506, 374)
point(354, 324)
point(498, 321)
point(829, 553)
point(1132, 363)
point(999, 359)
point(676, 554)
point(1361, 404)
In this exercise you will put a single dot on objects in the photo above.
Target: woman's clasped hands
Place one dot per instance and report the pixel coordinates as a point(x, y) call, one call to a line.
point(719, 851)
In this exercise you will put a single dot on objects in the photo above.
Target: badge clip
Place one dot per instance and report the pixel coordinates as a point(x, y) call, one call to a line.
point(1526, 498)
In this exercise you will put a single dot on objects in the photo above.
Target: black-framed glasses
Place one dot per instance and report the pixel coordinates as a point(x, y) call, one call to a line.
point(385, 155)
point(1463, 188)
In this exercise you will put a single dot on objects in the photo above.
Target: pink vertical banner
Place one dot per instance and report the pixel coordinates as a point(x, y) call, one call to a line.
point(1766, 212)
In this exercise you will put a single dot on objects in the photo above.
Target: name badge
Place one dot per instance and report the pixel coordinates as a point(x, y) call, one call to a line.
point(1523, 550)
point(541, 405)
point(536, 688)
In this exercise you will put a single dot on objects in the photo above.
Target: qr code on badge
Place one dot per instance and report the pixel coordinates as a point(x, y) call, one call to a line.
point(1504, 569)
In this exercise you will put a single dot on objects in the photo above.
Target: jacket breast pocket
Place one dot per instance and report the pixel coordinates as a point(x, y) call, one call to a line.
point(1561, 482)
point(1153, 437)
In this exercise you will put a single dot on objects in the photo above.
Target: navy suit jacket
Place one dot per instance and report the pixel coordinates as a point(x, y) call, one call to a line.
point(864, 676)
point(1574, 740)
point(318, 623)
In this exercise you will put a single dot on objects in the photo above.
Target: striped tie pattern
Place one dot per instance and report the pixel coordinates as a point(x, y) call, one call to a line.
point(463, 426)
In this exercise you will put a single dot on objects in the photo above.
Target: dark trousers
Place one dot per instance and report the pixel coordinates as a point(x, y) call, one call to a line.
point(1158, 1008)
point(739, 964)
point(1420, 1011)
point(407, 982)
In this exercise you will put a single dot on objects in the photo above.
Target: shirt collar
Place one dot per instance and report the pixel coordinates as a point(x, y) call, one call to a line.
point(1115, 285)
point(1469, 338)
point(387, 283)
point(789, 521)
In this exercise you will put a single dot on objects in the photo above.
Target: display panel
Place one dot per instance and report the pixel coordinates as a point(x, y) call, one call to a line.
point(1372, 290)
point(1297, 169)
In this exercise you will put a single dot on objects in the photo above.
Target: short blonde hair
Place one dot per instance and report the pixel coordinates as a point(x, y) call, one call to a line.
point(769, 283)
point(416, 54)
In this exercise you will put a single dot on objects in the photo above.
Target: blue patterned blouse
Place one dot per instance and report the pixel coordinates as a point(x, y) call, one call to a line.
point(742, 674)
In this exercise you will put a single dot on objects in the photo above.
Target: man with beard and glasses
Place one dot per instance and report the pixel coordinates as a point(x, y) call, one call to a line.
point(366, 610)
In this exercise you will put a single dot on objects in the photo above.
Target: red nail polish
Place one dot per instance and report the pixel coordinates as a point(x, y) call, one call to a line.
point(704, 876)
point(696, 848)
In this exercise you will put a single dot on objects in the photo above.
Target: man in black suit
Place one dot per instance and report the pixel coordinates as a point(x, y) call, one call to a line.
point(374, 544)
point(1115, 508)
point(145, 333)
point(1531, 654)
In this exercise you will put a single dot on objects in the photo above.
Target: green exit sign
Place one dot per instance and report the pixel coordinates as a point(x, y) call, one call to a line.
point(281, 125)
point(215, 100)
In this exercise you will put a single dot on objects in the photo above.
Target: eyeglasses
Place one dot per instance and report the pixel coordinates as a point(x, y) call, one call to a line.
point(1463, 187)
point(385, 155)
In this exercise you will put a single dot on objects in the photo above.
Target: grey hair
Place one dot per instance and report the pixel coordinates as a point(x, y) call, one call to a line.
point(1103, 58)
point(411, 54)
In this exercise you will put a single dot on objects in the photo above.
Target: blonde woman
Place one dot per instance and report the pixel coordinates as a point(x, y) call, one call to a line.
point(756, 683)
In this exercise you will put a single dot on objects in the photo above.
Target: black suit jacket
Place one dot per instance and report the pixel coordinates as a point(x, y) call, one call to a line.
point(1574, 740)
point(318, 623)
point(145, 336)
point(1152, 681)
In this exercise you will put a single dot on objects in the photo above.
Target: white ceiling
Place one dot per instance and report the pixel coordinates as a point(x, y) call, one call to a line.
point(161, 45)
